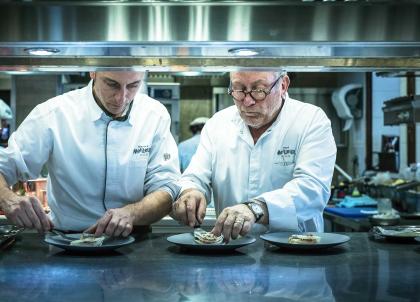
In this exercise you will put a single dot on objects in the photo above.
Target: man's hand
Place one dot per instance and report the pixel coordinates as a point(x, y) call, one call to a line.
point(27, 212)
point(234, 221)
point(190, 208)
point(115, 222)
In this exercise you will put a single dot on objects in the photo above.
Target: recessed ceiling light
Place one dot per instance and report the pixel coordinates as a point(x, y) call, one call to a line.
point(243, 52)
point(189, 73)
point(42, 51)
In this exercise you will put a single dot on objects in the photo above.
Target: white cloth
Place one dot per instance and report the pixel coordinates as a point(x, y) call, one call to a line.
point(69, 133)
point(289, 168)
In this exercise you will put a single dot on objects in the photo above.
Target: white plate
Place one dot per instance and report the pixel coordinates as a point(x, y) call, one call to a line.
point(326, 240)
point(186, 240)
point(109, 244)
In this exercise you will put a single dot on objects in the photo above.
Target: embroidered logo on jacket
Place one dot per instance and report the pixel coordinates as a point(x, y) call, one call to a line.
point(285, 156)
point(141, 150)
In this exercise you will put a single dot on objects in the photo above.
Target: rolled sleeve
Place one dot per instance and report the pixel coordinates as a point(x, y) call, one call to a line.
point(172, 189)
point(26, 153)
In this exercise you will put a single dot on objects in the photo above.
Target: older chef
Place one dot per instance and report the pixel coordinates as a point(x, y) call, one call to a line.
point(269, 160)
point(110, 155)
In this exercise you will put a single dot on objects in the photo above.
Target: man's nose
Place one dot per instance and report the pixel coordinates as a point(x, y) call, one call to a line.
point(248, 100)
point(122, 95)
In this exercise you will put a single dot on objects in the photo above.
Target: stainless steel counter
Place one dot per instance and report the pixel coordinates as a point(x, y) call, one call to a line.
point(337, 223)
point(154, 270)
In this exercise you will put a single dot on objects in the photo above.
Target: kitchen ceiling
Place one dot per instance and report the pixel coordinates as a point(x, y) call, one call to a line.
point(180, 36)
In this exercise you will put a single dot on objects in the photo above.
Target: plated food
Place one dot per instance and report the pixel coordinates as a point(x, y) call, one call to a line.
point(81, 243)
point(200, 240)
point(89, 240)
point(203, 237)
point(309, 241)
point(303, 238)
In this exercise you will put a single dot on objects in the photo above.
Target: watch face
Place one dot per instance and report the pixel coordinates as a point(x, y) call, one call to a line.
point(257, 209)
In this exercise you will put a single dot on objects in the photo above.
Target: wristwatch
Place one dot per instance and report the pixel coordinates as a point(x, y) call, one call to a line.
point(255, 208)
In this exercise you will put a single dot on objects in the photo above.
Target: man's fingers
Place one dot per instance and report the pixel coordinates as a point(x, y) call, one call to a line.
point(16, 213)
point(128, 230)
point(237, 227)
point(23, 216)
point(218, 227)
point(46, 224)
point(33, 217)
point(180, 211)
point(120, 227)
point(227, 227)
point(191, 207)
point(201, 212)
point(112, 225)
point(91, 229)
point(246, 228)
point(103, 224)
point(16, 220)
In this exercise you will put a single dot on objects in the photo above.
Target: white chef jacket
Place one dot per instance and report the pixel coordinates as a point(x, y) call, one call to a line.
point(93, 160)
point(289, 168)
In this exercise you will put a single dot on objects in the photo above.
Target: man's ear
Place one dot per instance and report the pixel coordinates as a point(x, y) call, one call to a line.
point(92, 75)
point(285, 82)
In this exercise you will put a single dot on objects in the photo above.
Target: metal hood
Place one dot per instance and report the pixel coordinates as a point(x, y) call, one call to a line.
point(206, 35)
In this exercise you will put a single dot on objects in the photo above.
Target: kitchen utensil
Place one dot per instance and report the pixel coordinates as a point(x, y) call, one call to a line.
point(62, 235)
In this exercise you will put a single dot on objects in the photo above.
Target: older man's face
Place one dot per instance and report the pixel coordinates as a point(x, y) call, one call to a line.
point(257, 114)
point(116, 89)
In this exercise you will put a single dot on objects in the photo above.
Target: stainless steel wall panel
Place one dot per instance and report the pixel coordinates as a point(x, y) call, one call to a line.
point(338, 35)
point(346, 22)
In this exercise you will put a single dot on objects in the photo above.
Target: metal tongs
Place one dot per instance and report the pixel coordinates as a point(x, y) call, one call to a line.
point(61, 234)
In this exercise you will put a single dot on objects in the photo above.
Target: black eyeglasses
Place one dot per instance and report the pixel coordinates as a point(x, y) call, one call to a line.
point(257, 95)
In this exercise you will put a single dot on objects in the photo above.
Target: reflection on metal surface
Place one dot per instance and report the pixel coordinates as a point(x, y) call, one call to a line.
point(42, 51)
point(231, 21)
point(180, 64)
point(243, 52)
point(149, 270)
point(398, 74)
point(338, 35)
